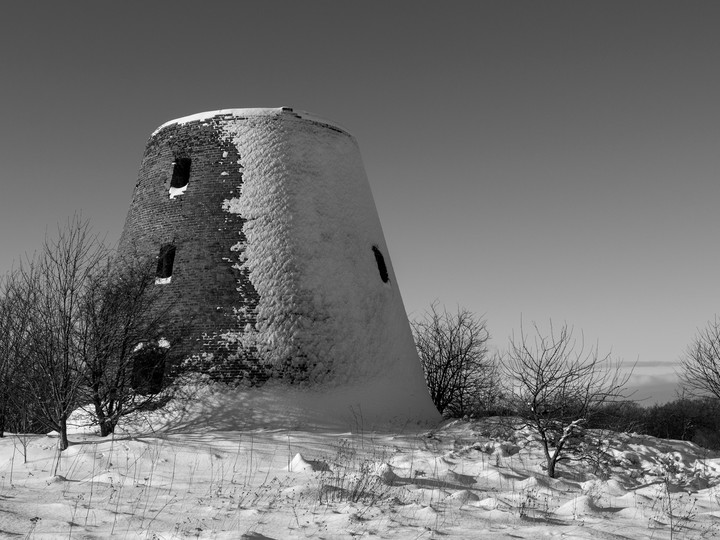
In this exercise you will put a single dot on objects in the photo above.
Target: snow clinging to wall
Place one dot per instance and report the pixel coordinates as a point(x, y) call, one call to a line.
point(302, 239)
point(327, 311)
point(311, 226)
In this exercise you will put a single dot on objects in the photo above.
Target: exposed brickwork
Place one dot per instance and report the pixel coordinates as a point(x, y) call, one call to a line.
point(207, 285)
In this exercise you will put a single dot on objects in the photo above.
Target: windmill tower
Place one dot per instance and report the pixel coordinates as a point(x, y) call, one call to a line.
point(269, 243)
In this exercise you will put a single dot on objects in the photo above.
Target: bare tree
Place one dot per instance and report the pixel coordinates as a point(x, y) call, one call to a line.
point(7, 360)
point(6, 366)
point(17, 409)
point(121, 328)
point(53, 284)
point(77, 327)
point(461, 376)
point(700, 366)
point(556, 383)
point(13, 336)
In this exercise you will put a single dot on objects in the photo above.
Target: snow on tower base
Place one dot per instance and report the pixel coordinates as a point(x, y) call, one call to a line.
point(269, 242)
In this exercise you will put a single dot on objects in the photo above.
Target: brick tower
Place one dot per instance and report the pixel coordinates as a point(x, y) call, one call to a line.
point(270, 247)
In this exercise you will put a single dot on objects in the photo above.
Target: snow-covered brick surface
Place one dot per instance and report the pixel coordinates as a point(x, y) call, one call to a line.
point(325, 315)
point(247, 113)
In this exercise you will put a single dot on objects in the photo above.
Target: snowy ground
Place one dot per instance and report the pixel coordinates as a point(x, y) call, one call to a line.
point(163, 478)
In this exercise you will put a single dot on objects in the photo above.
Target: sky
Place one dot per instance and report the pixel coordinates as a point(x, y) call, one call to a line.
point(530, 161)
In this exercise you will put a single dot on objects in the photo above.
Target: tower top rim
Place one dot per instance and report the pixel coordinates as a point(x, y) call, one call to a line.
point(249, 112)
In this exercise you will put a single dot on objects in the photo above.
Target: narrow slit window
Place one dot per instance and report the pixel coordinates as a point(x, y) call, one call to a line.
point(380, 260)
point(166, 257)
point(180, 177)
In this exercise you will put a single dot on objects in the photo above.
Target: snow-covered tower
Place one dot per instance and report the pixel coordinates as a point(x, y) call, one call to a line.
point(269, 242)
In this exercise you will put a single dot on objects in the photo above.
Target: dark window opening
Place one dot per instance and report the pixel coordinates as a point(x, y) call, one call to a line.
point(148, 369)
point(181, 173)
point(380, 260)
point(166, 257)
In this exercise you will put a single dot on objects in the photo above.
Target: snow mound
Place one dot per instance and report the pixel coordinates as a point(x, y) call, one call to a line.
point(300, 464)
point(489, 503)
point(463, 496)
point(451, 477)
point(611, 487)
point(255, 536)
point(581, 505)
point(386, 473)
point(110, 477)
point(201, 405)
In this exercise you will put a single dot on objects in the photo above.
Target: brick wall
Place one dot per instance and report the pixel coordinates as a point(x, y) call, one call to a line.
point(203, 290)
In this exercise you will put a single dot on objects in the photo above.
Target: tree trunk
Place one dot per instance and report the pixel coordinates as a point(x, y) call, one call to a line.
point(550, 459)
point(106, 427)
point(551, 467)
point(63, 443)
point(3, 415)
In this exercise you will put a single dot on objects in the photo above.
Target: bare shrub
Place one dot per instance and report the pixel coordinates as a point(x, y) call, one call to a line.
point(557, 384)
point(700, 366)
point(460, 374)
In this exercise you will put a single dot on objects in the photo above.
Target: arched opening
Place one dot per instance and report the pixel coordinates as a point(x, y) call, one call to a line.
point(181, 173)
point(180, 177)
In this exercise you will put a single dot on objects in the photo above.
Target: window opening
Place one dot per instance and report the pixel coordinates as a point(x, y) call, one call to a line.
point(181, 173)
point(380, 260)
point(148, 369)
point(166, 258)
point(180, 177)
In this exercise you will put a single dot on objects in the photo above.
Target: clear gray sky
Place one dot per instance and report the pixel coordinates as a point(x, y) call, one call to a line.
point(554, 159)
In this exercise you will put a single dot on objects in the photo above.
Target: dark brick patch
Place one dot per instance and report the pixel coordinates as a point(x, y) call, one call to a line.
point(206, 286)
